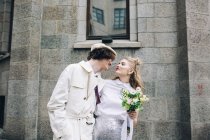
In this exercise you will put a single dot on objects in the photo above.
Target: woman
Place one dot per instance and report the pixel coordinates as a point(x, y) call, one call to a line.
point(112, 120)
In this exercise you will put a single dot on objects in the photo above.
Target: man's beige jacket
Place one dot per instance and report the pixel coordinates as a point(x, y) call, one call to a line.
point(73, 102)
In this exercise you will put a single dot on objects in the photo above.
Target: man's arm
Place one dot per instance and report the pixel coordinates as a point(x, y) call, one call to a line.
point(57, 103)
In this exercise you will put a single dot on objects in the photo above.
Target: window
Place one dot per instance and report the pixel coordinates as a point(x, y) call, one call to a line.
point(108, 18)
point(98, 15)
point(119, 18)
point(2, 102)
point(6, 18)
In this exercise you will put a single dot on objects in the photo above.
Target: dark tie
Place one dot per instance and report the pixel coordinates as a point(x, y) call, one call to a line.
point(97, 95)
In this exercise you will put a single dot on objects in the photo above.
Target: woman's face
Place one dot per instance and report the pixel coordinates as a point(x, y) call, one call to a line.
point(123, 68)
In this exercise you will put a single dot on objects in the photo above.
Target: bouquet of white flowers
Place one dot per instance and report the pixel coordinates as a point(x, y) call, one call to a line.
point(132, 101)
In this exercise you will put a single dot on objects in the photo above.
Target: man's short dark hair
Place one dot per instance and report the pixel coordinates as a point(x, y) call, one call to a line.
point(101, 53)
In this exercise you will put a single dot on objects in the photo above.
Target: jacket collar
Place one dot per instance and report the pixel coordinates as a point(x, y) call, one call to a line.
point(86, 66)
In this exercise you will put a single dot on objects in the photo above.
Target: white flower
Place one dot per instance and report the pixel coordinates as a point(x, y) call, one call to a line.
point(138, 88)
point(135, 100)
point(133, 93)
point(129, 101)
point(144, 98)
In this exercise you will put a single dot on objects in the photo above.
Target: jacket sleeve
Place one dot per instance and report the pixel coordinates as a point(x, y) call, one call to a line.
point(57, 103)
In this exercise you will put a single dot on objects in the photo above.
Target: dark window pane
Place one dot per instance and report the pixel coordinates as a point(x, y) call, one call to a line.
point(97, 15)
point(120, 15)
point(2, 103)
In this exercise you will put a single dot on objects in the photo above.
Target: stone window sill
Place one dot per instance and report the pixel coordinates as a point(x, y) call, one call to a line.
point(114, 44)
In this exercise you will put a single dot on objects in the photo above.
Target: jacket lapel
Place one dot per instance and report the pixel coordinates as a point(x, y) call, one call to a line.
point(93, 81)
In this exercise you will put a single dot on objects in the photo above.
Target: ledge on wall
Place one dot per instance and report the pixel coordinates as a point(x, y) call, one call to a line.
point(4, 55)
point(115, 44)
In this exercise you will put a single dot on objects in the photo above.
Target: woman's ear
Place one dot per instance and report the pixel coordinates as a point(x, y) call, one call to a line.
point(130, 71)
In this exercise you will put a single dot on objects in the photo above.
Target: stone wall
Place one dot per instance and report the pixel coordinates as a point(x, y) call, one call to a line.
point(58, 35)
point(157, 30)
point(23, 87)
point(198, 37)
point(174, 37)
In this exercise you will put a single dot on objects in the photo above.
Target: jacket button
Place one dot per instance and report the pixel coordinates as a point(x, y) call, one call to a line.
point(85, 98)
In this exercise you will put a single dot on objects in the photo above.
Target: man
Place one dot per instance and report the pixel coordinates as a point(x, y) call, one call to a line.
point(73, 100)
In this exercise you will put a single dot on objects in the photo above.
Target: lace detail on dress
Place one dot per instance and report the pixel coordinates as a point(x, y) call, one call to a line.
point(108, 128)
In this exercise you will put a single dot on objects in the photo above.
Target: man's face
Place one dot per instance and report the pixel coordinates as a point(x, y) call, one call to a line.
point(105, 64)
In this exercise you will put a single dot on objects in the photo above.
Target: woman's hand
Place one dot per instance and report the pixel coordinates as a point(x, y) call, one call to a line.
point(133, 115)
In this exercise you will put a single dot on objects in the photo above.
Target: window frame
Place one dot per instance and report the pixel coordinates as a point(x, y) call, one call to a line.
point(118, 0)
point(127, 36)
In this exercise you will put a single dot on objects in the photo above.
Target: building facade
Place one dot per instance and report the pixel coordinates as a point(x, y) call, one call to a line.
point(39, 38)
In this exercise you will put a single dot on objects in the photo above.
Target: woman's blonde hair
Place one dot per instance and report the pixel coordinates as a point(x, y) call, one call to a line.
point(135, 78)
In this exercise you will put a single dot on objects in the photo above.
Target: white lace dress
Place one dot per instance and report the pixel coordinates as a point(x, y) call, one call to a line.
point(112, 121)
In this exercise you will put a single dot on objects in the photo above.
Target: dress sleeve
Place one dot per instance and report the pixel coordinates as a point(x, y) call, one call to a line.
point(57, 103)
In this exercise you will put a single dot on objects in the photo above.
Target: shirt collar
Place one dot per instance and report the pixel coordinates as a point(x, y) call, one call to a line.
point(86, 66)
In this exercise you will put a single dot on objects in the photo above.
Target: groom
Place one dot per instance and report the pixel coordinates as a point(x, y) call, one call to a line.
point(73, 100)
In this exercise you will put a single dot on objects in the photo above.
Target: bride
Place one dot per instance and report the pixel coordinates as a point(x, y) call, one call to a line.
point(113, 122)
